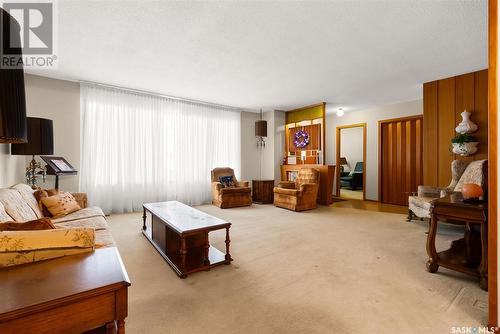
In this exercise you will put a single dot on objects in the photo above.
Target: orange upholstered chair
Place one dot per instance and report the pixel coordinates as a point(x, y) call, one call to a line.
point(235, 195)
point(299, 195)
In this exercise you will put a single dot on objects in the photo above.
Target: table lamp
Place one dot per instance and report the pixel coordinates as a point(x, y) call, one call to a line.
point(40, 142)
point(12, 94)
point(343, 162)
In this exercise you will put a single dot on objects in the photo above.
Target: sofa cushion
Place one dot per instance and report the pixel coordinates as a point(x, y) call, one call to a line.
point(28, 195)
point(39, 224)
point(286, 191)
point(90, 212)
point(18, 247)
point(61, 204)
point(4, 217)
point(97, 223)
point(15, 205)
point(234, 190)
point(421, 202)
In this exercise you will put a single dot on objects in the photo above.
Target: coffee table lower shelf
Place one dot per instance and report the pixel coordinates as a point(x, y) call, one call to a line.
point(194, 258)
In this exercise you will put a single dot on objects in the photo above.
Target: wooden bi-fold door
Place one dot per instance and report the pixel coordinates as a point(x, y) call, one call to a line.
point(400, 158)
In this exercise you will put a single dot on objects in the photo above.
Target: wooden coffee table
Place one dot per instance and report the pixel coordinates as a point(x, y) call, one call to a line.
point(180, 234)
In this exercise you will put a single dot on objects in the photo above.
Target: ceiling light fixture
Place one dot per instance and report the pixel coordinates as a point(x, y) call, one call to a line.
point(340, 112)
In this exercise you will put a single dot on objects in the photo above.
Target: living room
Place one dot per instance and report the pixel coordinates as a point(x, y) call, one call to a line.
point(244, 167)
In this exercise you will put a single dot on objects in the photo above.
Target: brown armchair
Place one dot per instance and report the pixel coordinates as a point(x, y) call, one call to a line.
point(229, 197)
point(299, 195)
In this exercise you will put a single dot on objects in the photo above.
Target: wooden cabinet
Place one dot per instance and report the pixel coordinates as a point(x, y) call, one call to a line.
point(262, 191)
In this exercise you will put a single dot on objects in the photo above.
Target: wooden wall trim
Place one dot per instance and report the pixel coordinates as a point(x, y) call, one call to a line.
point(430, 124)
point(445, 129)
point(493, 163)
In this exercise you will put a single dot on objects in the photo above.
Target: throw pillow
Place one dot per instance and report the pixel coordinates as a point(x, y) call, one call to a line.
point(38, 224)
point(226, 181)
point(61, 204)
point(42, 193)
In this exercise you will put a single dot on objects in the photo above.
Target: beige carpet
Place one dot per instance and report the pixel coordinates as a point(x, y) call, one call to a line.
point(331, 270)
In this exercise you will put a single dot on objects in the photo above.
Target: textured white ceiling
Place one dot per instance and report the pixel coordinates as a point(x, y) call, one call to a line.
point(272, 54)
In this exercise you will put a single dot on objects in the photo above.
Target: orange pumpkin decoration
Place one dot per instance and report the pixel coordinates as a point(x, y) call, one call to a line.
point(471, 191)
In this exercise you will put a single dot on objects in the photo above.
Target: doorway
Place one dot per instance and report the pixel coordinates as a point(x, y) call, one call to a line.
point(351, 161)
point(400, 158)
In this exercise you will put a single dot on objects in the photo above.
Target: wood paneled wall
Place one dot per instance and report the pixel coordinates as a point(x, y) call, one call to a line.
point(314, 132)
point(444, 101)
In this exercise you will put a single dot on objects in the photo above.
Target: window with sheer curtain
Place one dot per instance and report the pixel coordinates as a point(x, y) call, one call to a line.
point(138, 148)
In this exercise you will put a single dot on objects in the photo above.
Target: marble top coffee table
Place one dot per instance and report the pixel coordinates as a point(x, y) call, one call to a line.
point(180, 234)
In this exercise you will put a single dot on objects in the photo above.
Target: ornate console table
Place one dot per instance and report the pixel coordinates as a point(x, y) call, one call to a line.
point(468, 255)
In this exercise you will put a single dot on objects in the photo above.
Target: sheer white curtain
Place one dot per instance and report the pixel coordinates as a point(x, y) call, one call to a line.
point(138, 148)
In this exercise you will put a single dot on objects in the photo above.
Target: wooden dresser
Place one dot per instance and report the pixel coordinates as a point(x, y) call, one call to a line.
point(73, 294)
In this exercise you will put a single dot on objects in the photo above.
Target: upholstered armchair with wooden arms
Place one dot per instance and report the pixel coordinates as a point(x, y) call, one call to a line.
point(462, 172)
point(238, 193)
point(299, 195)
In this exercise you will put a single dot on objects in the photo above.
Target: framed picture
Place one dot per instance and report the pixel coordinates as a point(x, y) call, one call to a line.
point(58, 165)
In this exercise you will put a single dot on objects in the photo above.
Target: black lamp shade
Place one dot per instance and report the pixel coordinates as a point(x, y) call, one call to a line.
point(12, 95)
point(261, 128)
point(40, 138)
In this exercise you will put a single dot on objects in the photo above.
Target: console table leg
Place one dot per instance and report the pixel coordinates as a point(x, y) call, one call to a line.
point(483, 267)
point(206, 261)
point(144, 219)
point(228, 241)
point(121, 327)
point(110, 328)
point(432, 263)
point(183, 253)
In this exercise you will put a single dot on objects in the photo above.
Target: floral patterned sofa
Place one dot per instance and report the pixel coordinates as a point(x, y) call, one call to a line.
point(79, 231)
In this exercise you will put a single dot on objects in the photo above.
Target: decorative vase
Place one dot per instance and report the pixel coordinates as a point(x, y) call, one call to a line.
point(465, 149)
point(471, 191)
point(466, 125)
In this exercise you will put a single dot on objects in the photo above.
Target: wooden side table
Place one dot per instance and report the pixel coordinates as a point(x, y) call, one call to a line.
point(262, 191)
point(468, 255)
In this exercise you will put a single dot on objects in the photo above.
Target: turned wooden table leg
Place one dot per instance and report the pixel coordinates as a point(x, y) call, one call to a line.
point(228, 241)
point(121, 326)
point(183, 253)
point(483, 267)
point(110, 328)
point(432, 263)
point(144, 219)
point(206, 261)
